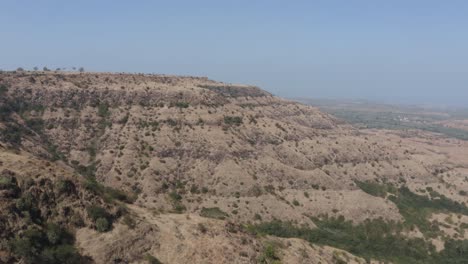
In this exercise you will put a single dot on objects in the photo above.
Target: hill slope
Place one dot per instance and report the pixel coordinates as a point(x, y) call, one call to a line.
point(185, 145)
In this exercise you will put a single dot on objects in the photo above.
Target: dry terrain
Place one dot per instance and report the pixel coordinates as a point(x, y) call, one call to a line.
point(187, 168)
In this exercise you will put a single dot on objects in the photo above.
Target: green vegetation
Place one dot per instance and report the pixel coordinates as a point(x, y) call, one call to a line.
point(176, 201)
point(35, 124)
point(107, 193)
point(65, 187)
point(55, 154)
point(102, 225)
point(213, 212)
point(49, 244)
point(103, 110)
point(269, 254)
point(152, 260)
point(101, 218)
point(233, 120)
point(3, 89)
point(416, 209)
point(379, 239)
point(12, 134)
point(375, 189)
point(27, 205)
point(372, 239)
point(104, 113)
point(182, 104)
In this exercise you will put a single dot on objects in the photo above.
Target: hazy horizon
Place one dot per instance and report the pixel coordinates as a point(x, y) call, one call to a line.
point(399, 51)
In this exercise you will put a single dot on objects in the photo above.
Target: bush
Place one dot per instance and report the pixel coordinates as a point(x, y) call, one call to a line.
point(65, 187)
point(269, 254)
point(55, 234)
point(3, 89)
point(27, 203)
point(12, 134)
point(296, 202)
point(102, 224)
point(182, 104)
point(103, 110)
point(53, 245)
point(233, 120)
point(61, 254)
point(375, 189)
point(95, 212)
point(35, 124)
point(213, 212)
point(152, 260)
point(107, 193)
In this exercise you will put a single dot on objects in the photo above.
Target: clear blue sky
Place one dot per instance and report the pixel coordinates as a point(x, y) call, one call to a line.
point(411, 50)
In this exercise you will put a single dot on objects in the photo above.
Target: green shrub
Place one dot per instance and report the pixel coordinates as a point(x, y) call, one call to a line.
point(35, 124)
point(175, 197)
point(102, 224)
point(296, 202)
point(12, 134)
point(3, 89)
point(103, 110)
point(179, 208)
point(55, 153)
point(95, 212)
point(375, 189)
point(61, 254)
point(213, 212)
point(233, 120)
point(269, 254)
point(152, 260)
point(109, 194)
point(4, 181)
point(182, 104)
point(27, 203)
point(52, 244)
point(65, 186)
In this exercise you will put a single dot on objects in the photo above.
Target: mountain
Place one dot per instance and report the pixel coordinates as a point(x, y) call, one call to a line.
point(128, 168)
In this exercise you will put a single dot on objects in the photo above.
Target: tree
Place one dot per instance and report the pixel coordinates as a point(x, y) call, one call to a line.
point(45, 69)
point(20, 69)
point(36, 68)
point(81, 69)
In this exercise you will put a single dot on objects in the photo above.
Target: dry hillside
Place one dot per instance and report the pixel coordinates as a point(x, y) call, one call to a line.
point(187, 168)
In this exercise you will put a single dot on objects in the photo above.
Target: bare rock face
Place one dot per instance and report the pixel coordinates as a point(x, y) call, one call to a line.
point(182, 147)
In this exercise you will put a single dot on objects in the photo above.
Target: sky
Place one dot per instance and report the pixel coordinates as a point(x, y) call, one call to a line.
point(403, 51)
